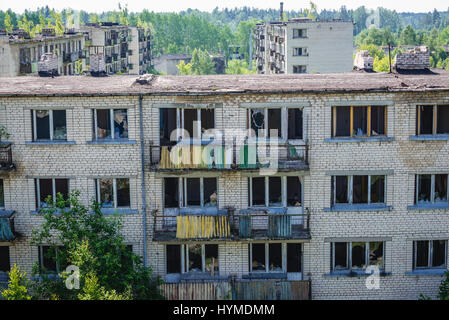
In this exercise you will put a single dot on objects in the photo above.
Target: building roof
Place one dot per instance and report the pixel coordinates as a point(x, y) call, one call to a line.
point(42, 38)
point(224, 84)
point(174, 56)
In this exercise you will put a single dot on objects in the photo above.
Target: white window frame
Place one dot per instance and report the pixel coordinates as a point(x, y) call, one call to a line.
point(267, 258)
point(350, 189)
point(114, 191)
point(349, 256)
point(432, 187)
point(434, 119)
point(284, 122)
point(185, 259)
point(180, 124)
point(51, 125)
point(303, 32)
point(53, 185)
point(304, 52)
point(111, 116)
point(430, 254)
point(267, 190)
point(182, 192)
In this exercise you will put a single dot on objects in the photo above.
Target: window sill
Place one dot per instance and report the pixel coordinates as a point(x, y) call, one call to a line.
point(38, 211)
point(430, 137)
point(429, 206)
point(359, 208)
point(426, 272)
point(112, 141)
point(49, 143)
point(354, 274)
point(359, 139)
point(265, 275)
point(119, 211)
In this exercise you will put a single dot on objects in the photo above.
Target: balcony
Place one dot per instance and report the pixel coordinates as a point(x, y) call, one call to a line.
point(7, 230)
point(6, 163)
point(209, 223)
point(284, 156)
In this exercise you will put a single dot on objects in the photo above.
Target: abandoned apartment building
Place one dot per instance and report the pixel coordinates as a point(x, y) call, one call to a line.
point(20, 54)
point(360, 182)
point(303, 45)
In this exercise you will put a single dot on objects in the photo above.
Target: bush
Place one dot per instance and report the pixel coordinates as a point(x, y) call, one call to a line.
point(18, 285)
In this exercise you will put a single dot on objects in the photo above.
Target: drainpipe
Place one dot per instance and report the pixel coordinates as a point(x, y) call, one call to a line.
point(142, 173)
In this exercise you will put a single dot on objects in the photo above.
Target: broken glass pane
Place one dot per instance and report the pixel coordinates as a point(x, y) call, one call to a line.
point(42, 125)
point(59, 125)
point(422, 254)
point(294, 198)
point(207, 119)
point(167, 124)
point(426, 119)
point(171, 193)
point(358, 255)
point(120, 124)
point(103, 124)
point(173, 258)
point(360, 189)
point(274, 122)
point(258, 121)
point(123, 195)
point(258, 257)
point(210, 192)
point(341, 192)
point(275, 257)
point(440, 188)
point(211, 257)
point(294, 123)
point(195, 260)
point(341, 256)
point(360, 120)
point(377, 189)
point(439, 253)
point(45, 189)
point(376, 254)
point(258, 191)
point(275, 191)
point(424, 187)
point(106, 193)
point(443, 120)
point(377, 120)
point(293, 257)
point(343, 122)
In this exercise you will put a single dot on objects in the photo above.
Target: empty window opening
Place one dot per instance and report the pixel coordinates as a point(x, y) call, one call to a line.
point(258, 191)
point(299, 69)
point(294, 263)
point(342, 122)
point(2, 194)
point(50, 188)
point(210, 192)
point(103, 124)
point(275, 257)
point(195, 258)
point(425, 116)
point(430, 254)
point(49, 260)
point(358, 255)
point(258, 121)
point(120, 124)
point(211, 258)
point(299, 33)
point(295, 123)
point(340, 256)
point(378, 115)
point(193, 192)
point(171, 192)
point(274, 122)
point(49, 125)
point(207, 119)
point(347, 256)
point(294, 192)
point(432, 119)
point(110, 123)
point(440, 194)
point(167, 124)
point(123, 196)
point(341, 189)
point(376, 254)
point(424, 188)
point(360, 118)
point(113, 193)
point(360, 189)
point(377, 189)
point(258, 257)
point(275, 191)
point(191, 122)
point(443, 120)
point(5, 263)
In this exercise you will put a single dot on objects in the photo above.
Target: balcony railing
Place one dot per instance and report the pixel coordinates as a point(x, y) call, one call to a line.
point(6, 163)
point(220, 157)
point(184, 224)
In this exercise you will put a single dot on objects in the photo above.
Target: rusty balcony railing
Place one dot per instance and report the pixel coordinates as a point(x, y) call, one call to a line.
point(221, 157)
point(6, 163)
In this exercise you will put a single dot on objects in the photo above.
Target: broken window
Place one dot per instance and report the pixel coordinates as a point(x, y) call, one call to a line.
point(275, 257)
point(257, 120)
point(49, 259)
point(2, 195)
point(207, 119)
point(193, 192)
point(274, 122)
point(365, 189)
point(432, 119)
point(5, 263)
point(258, 191)
point(294, 263)
point(198, 258)
point(110, 124)
point(358, 121)
point(347, 256)
point(173, 258)
point(194, 258)
point(295, 121)
point(113, 193)
point(50, 188)
point(299, 33)
point(429, 254)
point(431, 188)
point(275, 191)
point(191, 122)
point(299, 69)
point(294, 192)
point(210, 192)
point(211, 258)
point(171, 192)
point(167, 124)
point(299, 51)
point(258, 257)
point(49, 125)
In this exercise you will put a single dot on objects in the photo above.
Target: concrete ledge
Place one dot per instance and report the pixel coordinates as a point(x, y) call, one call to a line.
point(359, 208)
point(426, 272)
point(361, 139)
point(429, 206)
point(112, 141)
point(354, 274)
point(49, 143)
point(438, 137)
point(265, 275)
point(119, 211)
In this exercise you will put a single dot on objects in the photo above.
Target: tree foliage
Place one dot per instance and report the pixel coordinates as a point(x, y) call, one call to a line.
point(18, 285)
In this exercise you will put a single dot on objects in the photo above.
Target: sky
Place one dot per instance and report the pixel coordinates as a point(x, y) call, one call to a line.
point(208, 5)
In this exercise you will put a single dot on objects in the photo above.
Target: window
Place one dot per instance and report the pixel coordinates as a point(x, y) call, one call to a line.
point(299, 33)
point(431, 188)
point(198, 258)
point(429, 254)
point(275, 257)
point(300, 52)
point(2, 195)
point(50, 188)
point(195, 192)
point(5, 263)
point(358, 189)
point(110, 124)
point(113, 192)
point(49, 125)
point(49, 259)
point(299, 69)
point(354, 256)
point(269, 191)
point(262, 120)
point(432, 119)
point(194, 121)
point(359, 121)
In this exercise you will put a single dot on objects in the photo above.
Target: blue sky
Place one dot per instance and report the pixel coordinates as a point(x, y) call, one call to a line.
point(209, 5)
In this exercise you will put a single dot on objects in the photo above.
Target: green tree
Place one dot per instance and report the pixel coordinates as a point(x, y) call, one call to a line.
point(408, 36)
point(242, 36)
point(202, 62)
point(7, 22)
point(238, 67)
point(18, 285)
point(443, 37)
point(59, 25)
point(184, 68)
point(381, 64)
point(74, 226)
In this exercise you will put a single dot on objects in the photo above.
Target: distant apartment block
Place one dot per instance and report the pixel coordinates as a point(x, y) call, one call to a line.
point(20, 54)
point(123, 49)
point(302, 45)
